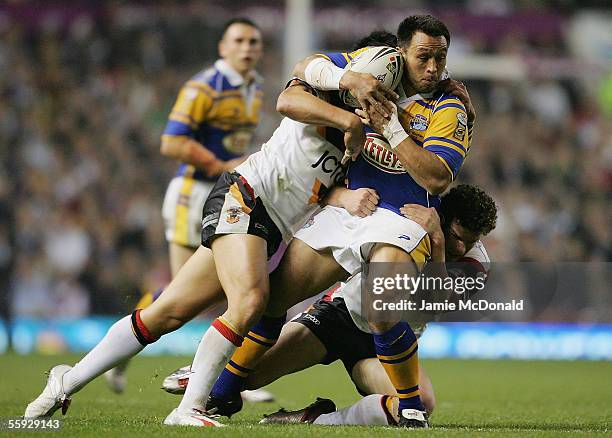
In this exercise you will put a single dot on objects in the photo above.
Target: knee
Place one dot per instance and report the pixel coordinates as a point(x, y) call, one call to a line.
point(245, 311)
point(160, 320)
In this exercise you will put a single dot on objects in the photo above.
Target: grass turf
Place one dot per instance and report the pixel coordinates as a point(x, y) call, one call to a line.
point(494, 398)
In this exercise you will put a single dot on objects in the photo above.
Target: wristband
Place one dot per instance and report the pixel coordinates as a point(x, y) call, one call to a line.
point(394, 131)
point(323, 74)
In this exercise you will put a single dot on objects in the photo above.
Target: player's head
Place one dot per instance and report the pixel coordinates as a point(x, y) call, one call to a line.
point(423, 41)
point(241, 44)
point(377, 38)
point(467, 213)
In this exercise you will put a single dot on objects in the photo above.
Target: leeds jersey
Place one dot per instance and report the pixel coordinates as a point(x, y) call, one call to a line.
point(437, 122)
point(219, 110)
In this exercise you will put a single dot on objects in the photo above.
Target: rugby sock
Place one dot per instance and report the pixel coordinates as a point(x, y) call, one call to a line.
point(372, 410)
point(397, 352)
point(126, 338)
point(260, 339)
point(214, 352)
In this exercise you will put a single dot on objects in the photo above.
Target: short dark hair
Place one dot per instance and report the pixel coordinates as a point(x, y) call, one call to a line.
point(377, 38)
point(427, 24)
point(471, 206)
point(239, 20)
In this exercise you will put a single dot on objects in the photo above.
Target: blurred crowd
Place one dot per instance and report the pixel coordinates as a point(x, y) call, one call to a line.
point(85, 99)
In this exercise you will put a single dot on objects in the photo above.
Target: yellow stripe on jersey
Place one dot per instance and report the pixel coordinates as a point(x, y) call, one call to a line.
point(193, 103)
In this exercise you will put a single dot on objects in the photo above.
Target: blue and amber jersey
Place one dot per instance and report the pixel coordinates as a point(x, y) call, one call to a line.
point(219, 110)
point(437, 122)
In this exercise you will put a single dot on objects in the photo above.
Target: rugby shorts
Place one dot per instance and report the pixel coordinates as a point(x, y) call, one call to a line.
point(233, 208)
point(182, 210)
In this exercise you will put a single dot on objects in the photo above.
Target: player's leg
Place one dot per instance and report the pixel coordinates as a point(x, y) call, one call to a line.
point(371, 378)
point(194, 288)
point(396, 345)
point(302, 273)
point(178, 254)
point(297, 349)
point(241, 261)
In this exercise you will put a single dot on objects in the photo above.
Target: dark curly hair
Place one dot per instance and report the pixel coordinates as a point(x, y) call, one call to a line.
point(473, 208)
point(377, 38)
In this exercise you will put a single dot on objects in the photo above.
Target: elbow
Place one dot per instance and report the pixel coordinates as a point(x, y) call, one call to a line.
point(437, 186)
point(283, 103)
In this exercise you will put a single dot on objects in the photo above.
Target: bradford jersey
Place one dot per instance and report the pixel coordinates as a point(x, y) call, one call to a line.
point(437, 122)
point(219, 110)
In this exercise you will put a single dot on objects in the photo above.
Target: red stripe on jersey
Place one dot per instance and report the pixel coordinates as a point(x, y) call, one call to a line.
point(228, 333)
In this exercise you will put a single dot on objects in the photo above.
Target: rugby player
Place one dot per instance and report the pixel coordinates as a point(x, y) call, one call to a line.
point(330, 330)
point(326, 331)
point(403, 167)
point(208, 131)
point(250, 211)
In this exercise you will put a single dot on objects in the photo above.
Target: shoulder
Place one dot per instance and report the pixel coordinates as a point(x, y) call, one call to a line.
point(478, 255)
point(443, 101)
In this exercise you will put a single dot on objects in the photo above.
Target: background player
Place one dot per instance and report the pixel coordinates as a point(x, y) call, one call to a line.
point(208, 131)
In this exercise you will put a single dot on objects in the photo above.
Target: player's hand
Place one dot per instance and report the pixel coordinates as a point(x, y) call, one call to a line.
point(215, 168)
point(373, 119)
point(371, 94)
point(426, 217)
point(458, 89)
point(354, 140)
point(230, 165)
point(360, 202)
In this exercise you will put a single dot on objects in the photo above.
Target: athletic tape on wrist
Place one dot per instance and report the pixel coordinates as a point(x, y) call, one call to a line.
point(394, 131)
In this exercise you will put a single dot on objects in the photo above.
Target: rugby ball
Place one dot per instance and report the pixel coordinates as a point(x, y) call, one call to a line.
point(384, 63)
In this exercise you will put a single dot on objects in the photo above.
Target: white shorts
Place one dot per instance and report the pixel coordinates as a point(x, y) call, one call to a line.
point(182, 210)
point(351, 293)
point(351, 238)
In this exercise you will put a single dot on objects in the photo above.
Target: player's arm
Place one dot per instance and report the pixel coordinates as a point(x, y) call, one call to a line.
point(299, 104)
point(360, 202)
point(320, 72)
point(191, 108)
point(422, 165)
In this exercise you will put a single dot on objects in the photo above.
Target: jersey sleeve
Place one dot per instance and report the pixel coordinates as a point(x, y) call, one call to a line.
point(447, 135)
point(340, 59)
point(190, 109)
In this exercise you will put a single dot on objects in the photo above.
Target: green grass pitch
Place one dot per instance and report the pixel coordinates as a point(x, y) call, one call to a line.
point(493, 398)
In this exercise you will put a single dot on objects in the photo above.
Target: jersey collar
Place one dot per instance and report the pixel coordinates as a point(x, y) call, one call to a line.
point(234, 78)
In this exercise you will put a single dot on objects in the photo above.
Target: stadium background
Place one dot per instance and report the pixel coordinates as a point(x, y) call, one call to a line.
point(86, 88)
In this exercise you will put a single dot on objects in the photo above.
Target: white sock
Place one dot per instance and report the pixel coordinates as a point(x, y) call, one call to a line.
point(367, 411)
point(214, 352)
point(118, 345)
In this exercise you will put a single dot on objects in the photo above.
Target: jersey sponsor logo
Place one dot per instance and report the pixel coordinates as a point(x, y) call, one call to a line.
point(331, 165)
point(375, 153)
point(237, 142)
point(419, 123)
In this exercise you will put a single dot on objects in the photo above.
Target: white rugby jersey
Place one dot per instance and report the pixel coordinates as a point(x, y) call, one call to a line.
point(351, 290)
point(293, 171)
